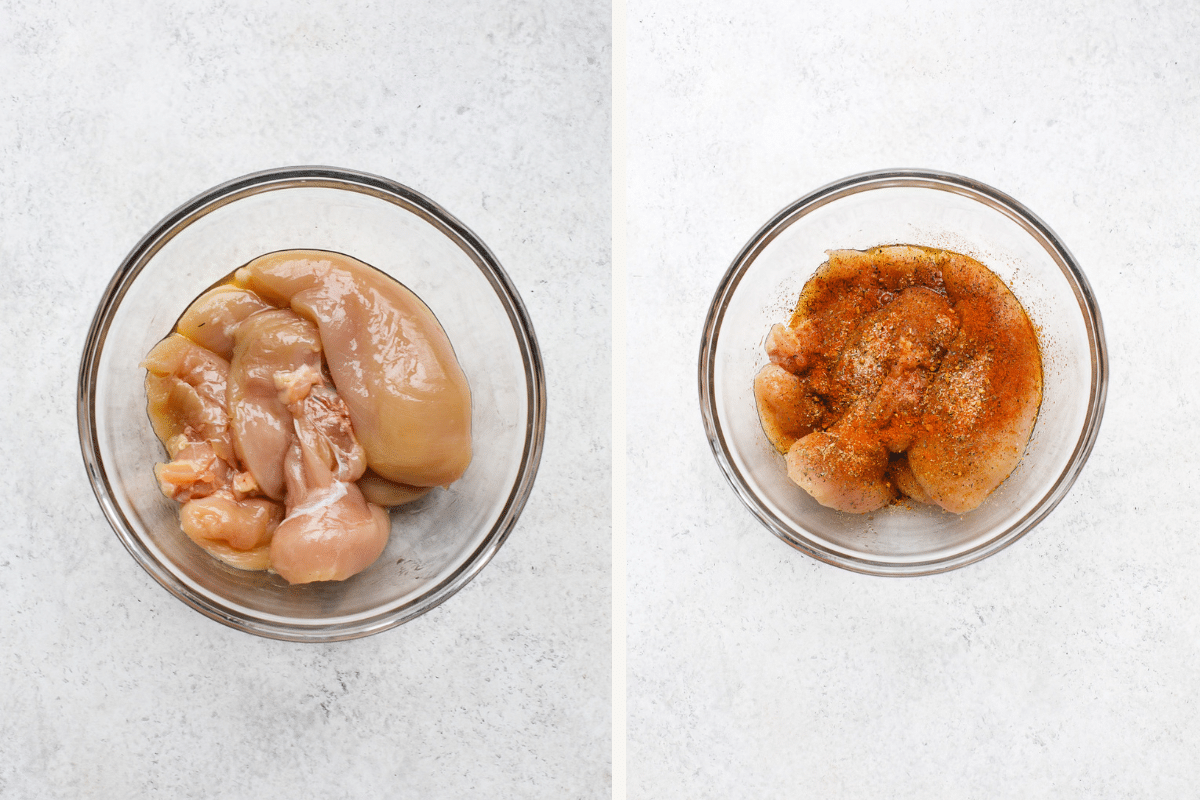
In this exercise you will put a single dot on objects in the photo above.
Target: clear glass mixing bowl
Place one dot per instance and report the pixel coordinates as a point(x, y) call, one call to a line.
point(935, 210)
point(437, 543)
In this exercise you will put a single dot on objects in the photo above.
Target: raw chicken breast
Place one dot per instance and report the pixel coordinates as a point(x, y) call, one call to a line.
point(265, 450)
point(330, 532)
point(185, 394)
point(982, 406)
point(265, 345)
point(389, 359)
point(210, 321)
point(903, 369)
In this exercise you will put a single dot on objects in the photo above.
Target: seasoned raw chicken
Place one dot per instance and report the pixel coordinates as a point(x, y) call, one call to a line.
point(840, 471)
point(981, 407)
point(881, 375)
point(389, 359)
point(903, 370)
point(786, 409)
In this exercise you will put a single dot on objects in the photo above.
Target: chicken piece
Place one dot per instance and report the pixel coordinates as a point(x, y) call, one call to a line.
point(186, 387)
point(332, 437)
point(330, 532)
point(786, 410)
point(236, 531)
point(267, 344)
point(901, 475)
point(212, 318)
point(382, 492)
point(221, 517)
point(981, 408)
point(901, 266)
point(195, 470)
point(908, 334)
point(389, 359)
point(846, 473)
point(883, 373)
point(843, 290)
point(185, 395)
point(792, 348)
point(887, 367)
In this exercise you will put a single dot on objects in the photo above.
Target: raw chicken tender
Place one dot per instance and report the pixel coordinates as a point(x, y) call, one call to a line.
point(903, 371)
point(269, 456)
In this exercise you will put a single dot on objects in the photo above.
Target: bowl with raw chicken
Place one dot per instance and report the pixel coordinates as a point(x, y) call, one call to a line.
point(311, 404)
point(903, 372)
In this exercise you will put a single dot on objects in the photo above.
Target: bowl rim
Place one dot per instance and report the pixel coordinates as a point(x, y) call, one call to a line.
point(795, 535)
point(284, 178)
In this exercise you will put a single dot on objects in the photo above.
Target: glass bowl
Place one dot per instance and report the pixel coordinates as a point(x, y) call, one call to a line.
point(437, 543)
point(922, 208)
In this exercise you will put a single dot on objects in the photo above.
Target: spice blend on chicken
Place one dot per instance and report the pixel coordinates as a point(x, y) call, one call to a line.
point(903, 371)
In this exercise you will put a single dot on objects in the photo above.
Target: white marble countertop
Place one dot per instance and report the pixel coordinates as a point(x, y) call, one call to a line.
point(114, 113)
point(1065, 665)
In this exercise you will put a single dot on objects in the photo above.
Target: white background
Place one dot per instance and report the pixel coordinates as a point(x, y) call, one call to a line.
point(1066, 665)
point(111, 115)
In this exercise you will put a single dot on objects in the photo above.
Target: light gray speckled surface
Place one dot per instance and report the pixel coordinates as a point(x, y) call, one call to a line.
point(111, 115)
point(1064, 666)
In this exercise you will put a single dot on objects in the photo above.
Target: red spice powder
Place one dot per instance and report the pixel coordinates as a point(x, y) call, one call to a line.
point(907, 361)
